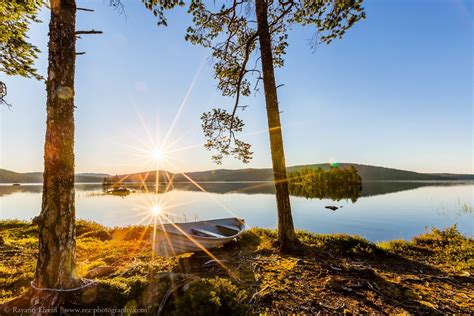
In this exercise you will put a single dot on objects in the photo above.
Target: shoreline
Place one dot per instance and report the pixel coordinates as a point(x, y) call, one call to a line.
point(332, 273)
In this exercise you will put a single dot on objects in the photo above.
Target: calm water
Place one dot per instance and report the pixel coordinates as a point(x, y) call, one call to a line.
point(385, 210)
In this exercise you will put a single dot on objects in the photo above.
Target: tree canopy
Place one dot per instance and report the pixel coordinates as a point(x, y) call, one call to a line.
point(229, 29)
point(158, 8)
point(17, 54)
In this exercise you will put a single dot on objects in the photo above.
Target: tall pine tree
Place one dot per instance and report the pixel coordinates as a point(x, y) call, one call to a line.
point(248, 39)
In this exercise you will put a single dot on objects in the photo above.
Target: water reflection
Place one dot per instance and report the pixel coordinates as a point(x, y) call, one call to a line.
point(369, 188)
point(333, 192)
point(384, 210)
point(335, 184)
point(9, 189)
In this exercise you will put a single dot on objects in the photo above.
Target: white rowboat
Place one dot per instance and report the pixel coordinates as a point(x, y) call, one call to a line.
point(178, 238)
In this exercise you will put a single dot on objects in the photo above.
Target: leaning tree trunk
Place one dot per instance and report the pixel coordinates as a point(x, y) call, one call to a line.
point(56, 267)
point(286, 231)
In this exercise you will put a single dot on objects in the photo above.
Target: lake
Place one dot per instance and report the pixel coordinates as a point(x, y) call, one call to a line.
point(385, 209)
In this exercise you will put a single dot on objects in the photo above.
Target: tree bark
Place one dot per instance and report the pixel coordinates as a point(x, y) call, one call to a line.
point(286, 231)
point(56, 259)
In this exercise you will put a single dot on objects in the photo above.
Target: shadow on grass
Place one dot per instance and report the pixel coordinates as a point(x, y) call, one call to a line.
point(335, 273)
point(329, 274)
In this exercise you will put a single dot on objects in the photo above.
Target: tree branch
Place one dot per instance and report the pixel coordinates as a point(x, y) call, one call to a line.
point(3, 93)
point(88, 32)
point(241, 77)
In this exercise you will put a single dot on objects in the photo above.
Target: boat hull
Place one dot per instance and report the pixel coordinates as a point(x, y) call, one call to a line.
point(178, 238)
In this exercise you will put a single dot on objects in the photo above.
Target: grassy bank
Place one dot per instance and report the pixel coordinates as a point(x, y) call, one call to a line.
point(332, 273)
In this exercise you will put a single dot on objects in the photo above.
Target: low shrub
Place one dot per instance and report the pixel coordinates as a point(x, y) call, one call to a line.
point(100, 234)
point(216, 296)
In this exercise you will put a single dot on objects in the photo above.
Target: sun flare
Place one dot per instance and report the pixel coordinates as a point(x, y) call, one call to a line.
point(156, 210)
point(158, 154)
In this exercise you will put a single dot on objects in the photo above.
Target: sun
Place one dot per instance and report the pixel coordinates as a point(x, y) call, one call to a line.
point(156, 210)
point(158, 155)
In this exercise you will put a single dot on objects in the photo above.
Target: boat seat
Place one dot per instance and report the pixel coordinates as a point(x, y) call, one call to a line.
point(228, 229)
point(206, 233)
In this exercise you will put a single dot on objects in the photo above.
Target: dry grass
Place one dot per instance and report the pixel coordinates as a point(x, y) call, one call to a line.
point(332, 273)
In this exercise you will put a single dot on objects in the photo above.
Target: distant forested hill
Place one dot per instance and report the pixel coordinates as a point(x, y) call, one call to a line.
point(7, 176)
point(366, 172)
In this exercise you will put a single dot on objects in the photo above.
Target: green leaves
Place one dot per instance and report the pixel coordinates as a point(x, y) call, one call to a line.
point(332, 18)
point(229, 29)
point(158, 8)
point(219, 128)
point(17, 55)
point(228, 33)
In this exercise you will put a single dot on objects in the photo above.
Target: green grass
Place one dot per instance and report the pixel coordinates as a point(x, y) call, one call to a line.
point(326, 268)
point(448, 248)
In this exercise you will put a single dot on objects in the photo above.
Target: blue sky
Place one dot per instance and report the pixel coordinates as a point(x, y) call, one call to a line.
point(397, 91)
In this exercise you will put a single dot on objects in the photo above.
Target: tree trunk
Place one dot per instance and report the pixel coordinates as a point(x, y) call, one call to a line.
point(286, 231)
point(56, 266)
